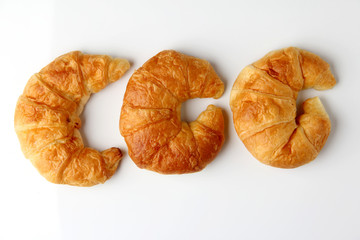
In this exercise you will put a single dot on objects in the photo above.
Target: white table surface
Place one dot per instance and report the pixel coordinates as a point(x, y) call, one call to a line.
point(235, 197)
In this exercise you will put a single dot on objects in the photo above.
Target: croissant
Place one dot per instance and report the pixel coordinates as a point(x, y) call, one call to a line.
point(263, 102)
point(47, 119)
point(150, 119)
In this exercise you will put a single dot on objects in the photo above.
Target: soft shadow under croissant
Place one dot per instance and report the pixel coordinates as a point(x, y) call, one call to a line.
point(47, 118)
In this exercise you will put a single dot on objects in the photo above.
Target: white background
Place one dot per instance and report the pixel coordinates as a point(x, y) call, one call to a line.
point(235, 197)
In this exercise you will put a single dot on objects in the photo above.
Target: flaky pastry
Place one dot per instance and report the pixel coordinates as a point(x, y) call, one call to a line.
point(150, 120)
point(263, 102)
point(47, 118)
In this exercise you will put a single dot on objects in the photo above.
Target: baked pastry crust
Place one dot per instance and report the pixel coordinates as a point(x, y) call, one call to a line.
point(47, 118)
point(263, 102)
point(150, 120)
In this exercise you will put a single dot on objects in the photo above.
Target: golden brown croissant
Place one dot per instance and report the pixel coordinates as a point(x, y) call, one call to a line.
point(150, 116)
point(47, 118)
point(263, 102)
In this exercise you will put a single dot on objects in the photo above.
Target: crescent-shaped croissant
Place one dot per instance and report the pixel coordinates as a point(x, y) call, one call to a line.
point(47, 118)
point(263, 102)
point(150, 116)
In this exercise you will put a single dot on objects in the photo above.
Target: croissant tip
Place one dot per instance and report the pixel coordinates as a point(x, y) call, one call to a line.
point(212, 107)
point(117, 68)
point(112, 157)
point(326, 81)
point(220, 92)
